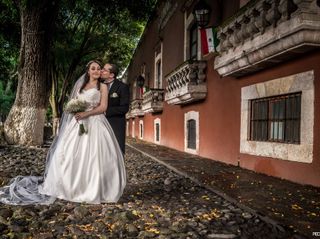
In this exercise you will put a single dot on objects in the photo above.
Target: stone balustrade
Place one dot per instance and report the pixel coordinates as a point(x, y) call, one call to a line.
point(186, 83)
point(266, 33)
point(135, 109)
point(153, 100)
point(128, 115)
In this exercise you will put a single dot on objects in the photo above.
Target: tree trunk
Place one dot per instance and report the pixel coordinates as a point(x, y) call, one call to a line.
point(54, 104)
point(25, 122)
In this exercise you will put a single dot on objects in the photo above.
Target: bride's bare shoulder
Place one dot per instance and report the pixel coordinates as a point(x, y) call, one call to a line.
point(103, 88)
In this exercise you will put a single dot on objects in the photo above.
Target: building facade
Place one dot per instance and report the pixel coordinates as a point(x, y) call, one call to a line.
point(254, 102)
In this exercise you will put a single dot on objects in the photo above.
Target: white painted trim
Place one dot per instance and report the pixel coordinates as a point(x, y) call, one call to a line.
point(303, 152)
point(199, 53)
point(133, 129)
point(185, 36)
point(156, 121)
point(134, 90)
point(127, 128)
point(141, 128)
point(158, 57)
point(188, 22)
point(188, 116)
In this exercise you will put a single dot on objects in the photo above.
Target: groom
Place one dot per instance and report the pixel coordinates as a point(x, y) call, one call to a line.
point(118, 102)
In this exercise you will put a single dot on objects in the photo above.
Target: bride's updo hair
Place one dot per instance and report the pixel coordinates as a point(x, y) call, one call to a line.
point(87, 77)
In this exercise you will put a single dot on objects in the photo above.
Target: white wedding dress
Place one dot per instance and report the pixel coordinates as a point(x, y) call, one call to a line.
point(81, 168)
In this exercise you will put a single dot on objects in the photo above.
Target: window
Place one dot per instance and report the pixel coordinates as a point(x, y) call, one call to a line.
point(193, 42)
point(157, 132)
point(276, 119)
point(133, 130)
point(191, 129)
point(158, 67)
point(286, 86)
point(191, 132)
point(158, 75)
point(141, 129)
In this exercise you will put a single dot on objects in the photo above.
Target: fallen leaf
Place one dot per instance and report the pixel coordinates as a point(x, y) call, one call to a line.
point(296, 207)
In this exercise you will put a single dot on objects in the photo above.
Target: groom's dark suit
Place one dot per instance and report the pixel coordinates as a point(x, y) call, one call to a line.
point(118, 106)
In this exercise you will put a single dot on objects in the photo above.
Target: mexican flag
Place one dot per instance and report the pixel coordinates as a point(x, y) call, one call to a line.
point(209, 40)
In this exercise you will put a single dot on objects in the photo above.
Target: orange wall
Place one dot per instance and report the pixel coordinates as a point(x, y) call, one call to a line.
point(219, 113)
point(298, 172)
point(220, 123)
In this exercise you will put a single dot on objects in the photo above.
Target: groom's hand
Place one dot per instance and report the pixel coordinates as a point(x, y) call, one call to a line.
point(80, 115)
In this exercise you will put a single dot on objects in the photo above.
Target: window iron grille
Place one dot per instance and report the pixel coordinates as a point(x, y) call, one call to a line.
point(276, 119)
point(191, 129)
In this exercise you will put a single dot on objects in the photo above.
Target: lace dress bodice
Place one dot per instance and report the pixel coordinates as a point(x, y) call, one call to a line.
point(92, 96)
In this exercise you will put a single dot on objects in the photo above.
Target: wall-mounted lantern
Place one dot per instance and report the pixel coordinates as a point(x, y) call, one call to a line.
point(201, 12)
point(140, 84)
point(140, 81)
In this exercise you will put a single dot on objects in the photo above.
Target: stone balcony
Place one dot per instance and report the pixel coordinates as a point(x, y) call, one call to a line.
point(153, 101)
point(186, 83)
point(128, 115)
point(135, 109)
point(266, 33)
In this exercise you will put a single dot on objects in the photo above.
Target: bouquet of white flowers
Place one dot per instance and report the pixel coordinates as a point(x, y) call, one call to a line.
point(75, 106)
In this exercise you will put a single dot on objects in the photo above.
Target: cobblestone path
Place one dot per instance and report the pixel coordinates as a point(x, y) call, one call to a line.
point(157, 203)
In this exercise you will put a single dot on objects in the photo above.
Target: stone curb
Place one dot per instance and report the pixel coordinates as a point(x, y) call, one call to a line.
point(212, 189)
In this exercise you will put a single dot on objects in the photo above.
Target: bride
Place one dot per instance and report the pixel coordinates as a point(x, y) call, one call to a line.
point(79, 168)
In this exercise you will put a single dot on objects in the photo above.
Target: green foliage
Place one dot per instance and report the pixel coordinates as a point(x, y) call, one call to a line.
point(49, 114)
point(9, 52)
point(122, 43)
point(95, 29)
point(84, 30)
point(9, 31)
point(6, 101)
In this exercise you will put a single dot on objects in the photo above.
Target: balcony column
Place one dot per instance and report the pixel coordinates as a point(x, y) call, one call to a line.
point(268, 32)
point(306, 6)
point(286, 7)
point(187, 83)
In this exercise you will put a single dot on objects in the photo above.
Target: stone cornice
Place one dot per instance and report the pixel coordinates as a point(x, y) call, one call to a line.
point(267, 33)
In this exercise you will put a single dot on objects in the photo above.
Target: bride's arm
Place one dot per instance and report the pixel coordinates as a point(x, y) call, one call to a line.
point(100, 109)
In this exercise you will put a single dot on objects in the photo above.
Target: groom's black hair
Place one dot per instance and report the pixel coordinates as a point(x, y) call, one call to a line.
point(114, 69)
